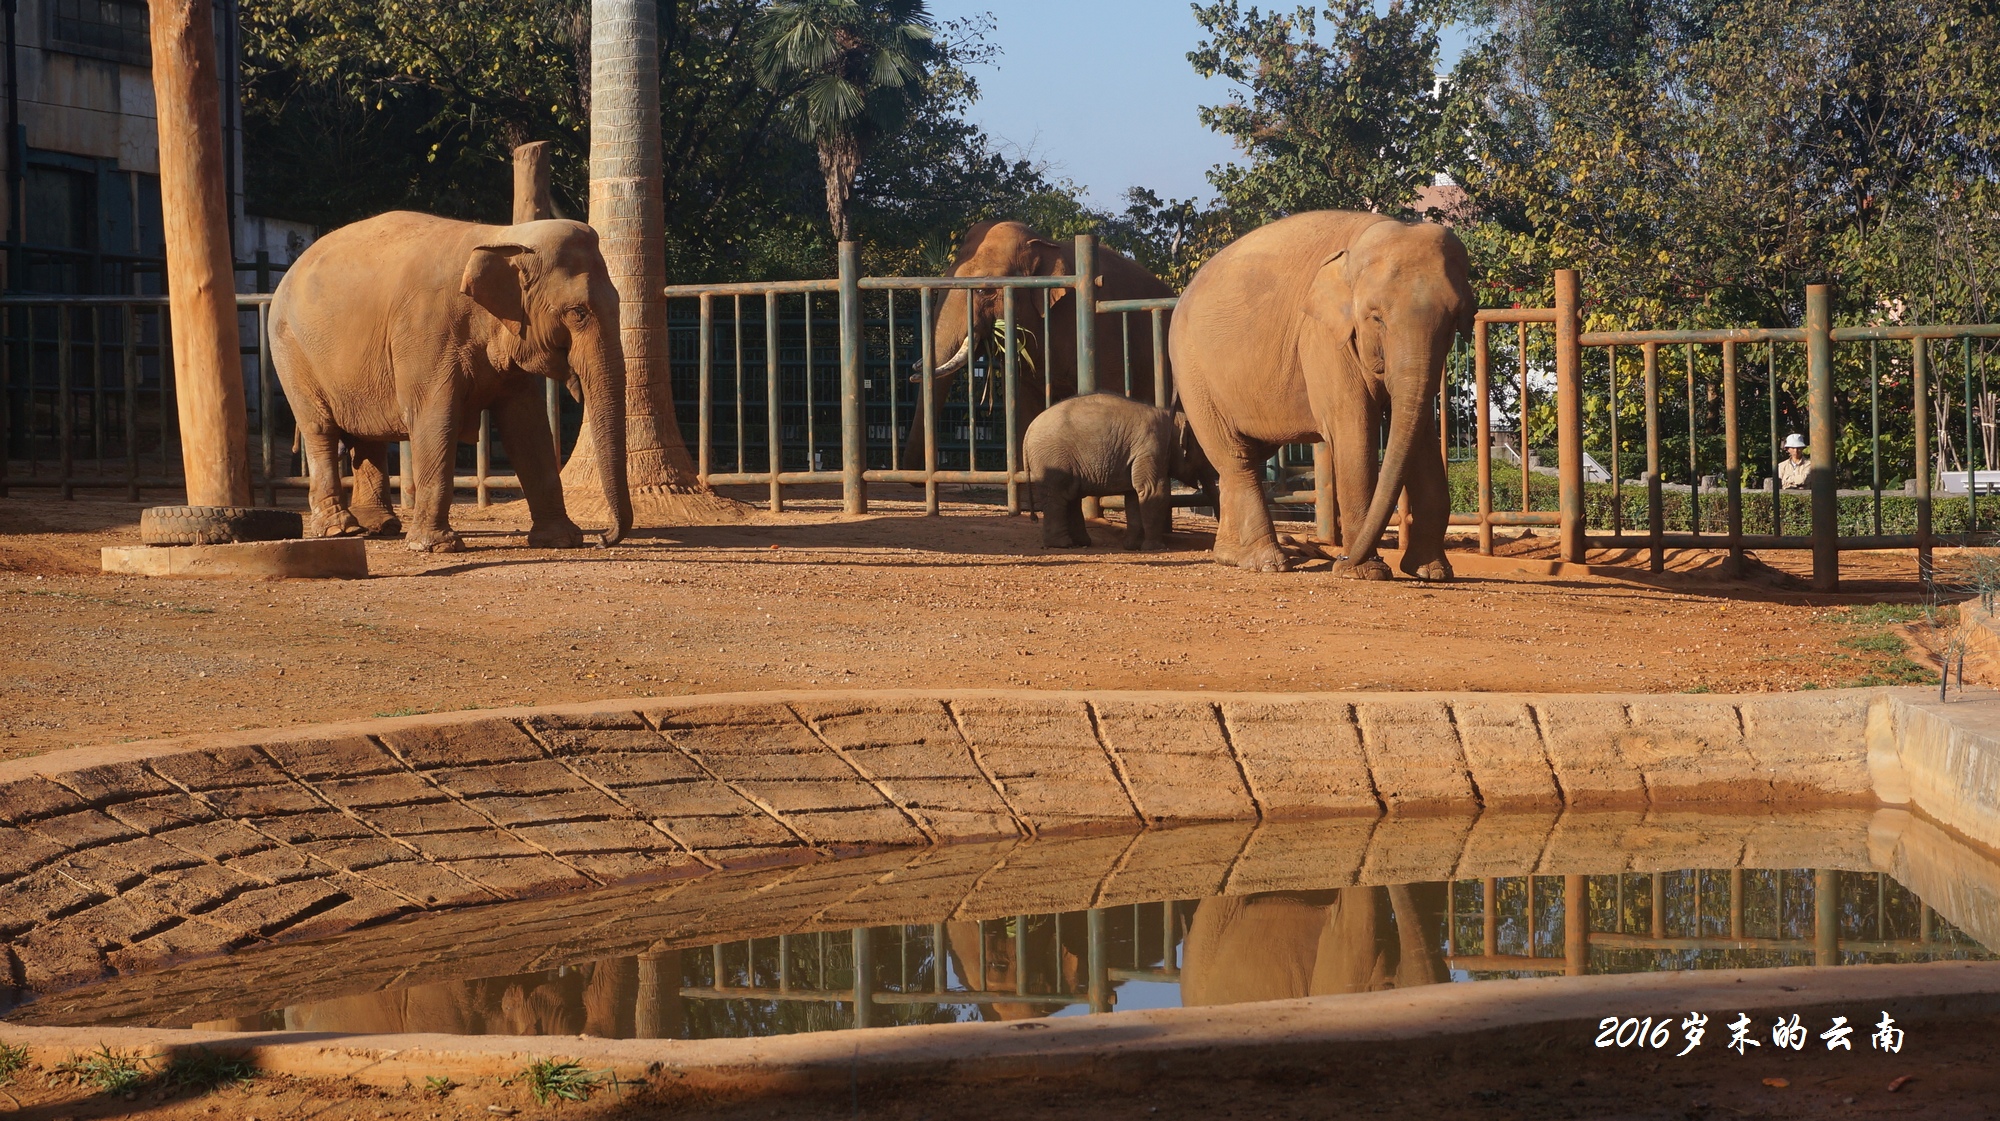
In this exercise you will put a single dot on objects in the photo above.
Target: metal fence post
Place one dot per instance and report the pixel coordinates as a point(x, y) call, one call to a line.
point(1086, 334)
point(853, 422)
point(1576, 889)
point(1921, 375)
point(1100, 955)
point(1569, 415)
point(1483, 432)
point(864, 953)
point(1732, 460)
point(1819, 382)
point(1656, 515)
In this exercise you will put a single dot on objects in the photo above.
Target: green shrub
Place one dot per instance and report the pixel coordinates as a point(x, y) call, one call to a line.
point(203, 1069)
point(112, 1072)
point(559, 1080)
point(13, 1060)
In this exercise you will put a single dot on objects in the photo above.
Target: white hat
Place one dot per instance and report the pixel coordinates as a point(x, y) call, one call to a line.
point(1795, 441)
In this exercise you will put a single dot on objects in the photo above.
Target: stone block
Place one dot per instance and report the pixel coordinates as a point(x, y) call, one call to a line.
point(192, 891)
point(571, 806)
point(731, 831)
point(158, 814)
point(1186, 863)
point(1045, 798)
point(1814, 749)
point(260, 801)
point(339, 757)
point(176, 943)
point(685, 798)
point(541, 776)
point(22, 852)
point(1586, 843)
point(114, 782)
point(1303, 758)
point(49, 961)
point(1191, 728)
point(435, 885)
point(39, 897)
point(399, 789)
point(876, 825)
point(611, 867)
point(470, 844)
point(1186, 787)
point(357, 854)
point(430, 817)
point(518, 877)
point(681, 715)
point(1690, 749)
point(923, 725)
point(961, 795)
point(218, 768)
point(295, 828)
point(474, 743)
point(634, 768)
point(1415, 849)
point(712, 741)
point(958, 825)
point(35, 797)
point(1505, 843)
point(147, 855)
point(942, 760)
point(1414, 756)
point(1038, 726)
point(278, 865)
point(1503, 751)
point(1582, 735)
point(1047, 874)
point(216, 840)
point(569, 837)
point(81, 830)
point(811, 794)
point(268, 910)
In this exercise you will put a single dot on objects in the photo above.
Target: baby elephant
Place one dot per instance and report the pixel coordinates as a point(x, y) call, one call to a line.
point(1102, 444)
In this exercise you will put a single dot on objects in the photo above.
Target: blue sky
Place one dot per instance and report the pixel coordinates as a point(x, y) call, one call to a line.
point(1101, 91)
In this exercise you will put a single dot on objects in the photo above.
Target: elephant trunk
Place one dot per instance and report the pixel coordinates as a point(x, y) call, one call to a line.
point(603, 378)
point(1406, 403)
point(952, 339)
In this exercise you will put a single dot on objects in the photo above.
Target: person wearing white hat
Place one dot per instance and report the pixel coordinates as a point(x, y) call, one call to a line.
point(1793, 469)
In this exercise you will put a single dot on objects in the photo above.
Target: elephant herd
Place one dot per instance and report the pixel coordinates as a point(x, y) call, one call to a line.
point(1324, 326)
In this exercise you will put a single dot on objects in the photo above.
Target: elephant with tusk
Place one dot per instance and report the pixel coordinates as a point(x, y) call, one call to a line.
point(1002, 248)
point(1322, 326)
point(408, 326)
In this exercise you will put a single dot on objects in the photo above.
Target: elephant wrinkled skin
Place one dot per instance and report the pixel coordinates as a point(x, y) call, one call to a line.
point(1102, 444)
point(1317, 327)
point(407, 326)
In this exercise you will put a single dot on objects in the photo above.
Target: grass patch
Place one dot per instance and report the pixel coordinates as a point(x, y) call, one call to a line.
point(439, 1085)
point(1874, 642)
point(203, 1069)
point(558, 1080)
point(1880, 614)
point(404, 712)
point(1896, 671)
point(112, 1072)
point(13, 1060)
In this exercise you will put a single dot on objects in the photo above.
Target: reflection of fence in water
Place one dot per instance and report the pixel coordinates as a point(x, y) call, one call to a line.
point(930, 973)
point(1692, 918)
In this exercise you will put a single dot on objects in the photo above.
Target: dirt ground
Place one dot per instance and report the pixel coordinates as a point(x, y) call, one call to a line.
point(1945, 1072)
point(895, 599)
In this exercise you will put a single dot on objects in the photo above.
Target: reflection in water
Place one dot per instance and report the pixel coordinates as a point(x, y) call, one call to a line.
point(1222, 950)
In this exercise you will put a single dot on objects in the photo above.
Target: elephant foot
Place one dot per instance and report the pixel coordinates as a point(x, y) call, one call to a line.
point(445, 541)
point(379, 523)
point(1066, 544)
point(558, 535)
point(1437, 571)
point(333, 523)
point(1265, 556)
point(1153, 547)
point(1374, 568)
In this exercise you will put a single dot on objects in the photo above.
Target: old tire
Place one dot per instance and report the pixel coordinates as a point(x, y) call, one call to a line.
point(217, 525)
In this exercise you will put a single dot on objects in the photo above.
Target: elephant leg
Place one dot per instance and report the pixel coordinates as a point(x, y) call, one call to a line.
point(1135, 522)
point(1428, 497)
point(524, 433)
point(370, 504)
point(1350, 423)
point(329, 514)
point(1155, 514)
point(1244, 535)
point(432, 467)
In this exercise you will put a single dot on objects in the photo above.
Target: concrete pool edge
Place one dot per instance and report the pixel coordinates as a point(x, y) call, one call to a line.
point(122, 858)
point(1127, 1042)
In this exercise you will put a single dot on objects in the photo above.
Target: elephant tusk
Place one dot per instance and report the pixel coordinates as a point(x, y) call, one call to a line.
point(955, 361)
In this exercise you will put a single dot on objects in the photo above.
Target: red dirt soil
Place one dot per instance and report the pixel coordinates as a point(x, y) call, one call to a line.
point(808, 598)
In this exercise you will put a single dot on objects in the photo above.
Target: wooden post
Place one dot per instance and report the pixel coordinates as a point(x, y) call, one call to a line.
point(201, 274)
point(531, 183)
point(1569, 414)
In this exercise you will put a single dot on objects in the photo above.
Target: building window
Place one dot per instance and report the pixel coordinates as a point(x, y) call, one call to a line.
point(110, 29)
point(62, 207)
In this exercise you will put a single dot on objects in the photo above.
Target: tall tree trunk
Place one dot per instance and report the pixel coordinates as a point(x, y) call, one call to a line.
point(839, 162)
point(626, 209)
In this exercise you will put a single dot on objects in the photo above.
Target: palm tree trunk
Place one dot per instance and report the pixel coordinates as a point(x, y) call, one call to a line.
point(626, 209)
point(839, 162)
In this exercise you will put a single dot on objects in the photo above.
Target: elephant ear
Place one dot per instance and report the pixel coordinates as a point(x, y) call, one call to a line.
point(495, 278)
point(1045, 258)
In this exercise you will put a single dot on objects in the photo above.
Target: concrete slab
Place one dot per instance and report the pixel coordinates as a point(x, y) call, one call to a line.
point(325, 558)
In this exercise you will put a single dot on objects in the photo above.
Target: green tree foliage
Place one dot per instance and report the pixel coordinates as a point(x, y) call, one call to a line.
point(353, 107)
point(845, 71)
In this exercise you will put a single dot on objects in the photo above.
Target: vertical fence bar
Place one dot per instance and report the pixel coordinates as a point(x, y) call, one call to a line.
point(97, 388)
point(1656, 514)
point(853, 415)
point(1826, 917)
point(65, 418)
point(28, 395)
point(1013, 373)
point(864, 964)
point(1048, 351)
point(1659, 905)
point(1736, 903)
point(1819, 380)
point(774, 449)
point(1521, 436)
point(170, 414)
point(1617, 468)
point(1099, 952)
point(812, 427)
point(928, 403)
point(1086, 331)
point(267, 413)
point(1777, 457)
point(705, 393)
point(1576, 925)
point(482, 458)
point(7, 394)
point(1971, 464)
point(1694, 465)
point(1875, 431)
point(130, 359)
point(1160, 394)
point(1021, 955)
point(736, 329)
point(1920, 376)
point(895, 413)
point(1125, 347)
point(1483, 430)
point(1732, 460)
point(1569, 414)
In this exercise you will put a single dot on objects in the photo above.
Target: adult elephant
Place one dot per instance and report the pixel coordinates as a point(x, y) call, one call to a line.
point(1317, 327)
point(407, 326)
point(1007, 248)
point(1293, 944)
